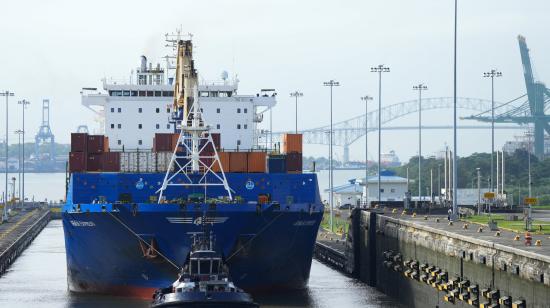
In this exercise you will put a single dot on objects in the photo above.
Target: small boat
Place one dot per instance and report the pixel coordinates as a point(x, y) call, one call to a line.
point(203, 282)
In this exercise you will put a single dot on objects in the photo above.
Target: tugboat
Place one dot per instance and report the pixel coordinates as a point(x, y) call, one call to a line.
point(203, 282)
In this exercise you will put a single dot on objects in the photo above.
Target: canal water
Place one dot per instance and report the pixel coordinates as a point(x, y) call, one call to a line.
point(38, 279)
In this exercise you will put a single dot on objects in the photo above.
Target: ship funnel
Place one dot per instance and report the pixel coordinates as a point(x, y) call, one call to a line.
point(143, 66)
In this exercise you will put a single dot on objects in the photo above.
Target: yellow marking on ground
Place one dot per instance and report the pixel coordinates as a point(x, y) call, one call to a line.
point(22, 220)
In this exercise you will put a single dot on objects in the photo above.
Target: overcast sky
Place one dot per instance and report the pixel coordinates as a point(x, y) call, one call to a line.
point(51, 49)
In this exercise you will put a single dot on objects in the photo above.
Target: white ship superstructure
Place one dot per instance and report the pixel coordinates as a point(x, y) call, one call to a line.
point(131, 112)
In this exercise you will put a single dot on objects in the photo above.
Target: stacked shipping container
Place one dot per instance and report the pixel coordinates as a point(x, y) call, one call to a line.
point(292, 147)
point(91, 153)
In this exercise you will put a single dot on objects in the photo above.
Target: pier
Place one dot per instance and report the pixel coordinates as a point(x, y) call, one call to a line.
point(19, 232)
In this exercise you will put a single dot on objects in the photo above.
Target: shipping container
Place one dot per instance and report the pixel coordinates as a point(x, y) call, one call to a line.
point(276, 164)
point(111, 161)
point(238, 162)
point(256, 162)
point(294, 162)
point(77, 162)
point(128, 161)
point(163, 161)
point(162, 142)
point(97, 144)
point(94, 162)
point(292, 143)
point(79, 142)
point(224, 160)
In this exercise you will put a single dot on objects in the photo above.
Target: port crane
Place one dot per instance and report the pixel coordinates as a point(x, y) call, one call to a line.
point(190, 159)
point(531, 111)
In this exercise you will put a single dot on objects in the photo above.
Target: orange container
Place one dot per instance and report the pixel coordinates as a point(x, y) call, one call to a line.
point(292, 143)
point(224, 160)
point(256, 162)
point(238, 162)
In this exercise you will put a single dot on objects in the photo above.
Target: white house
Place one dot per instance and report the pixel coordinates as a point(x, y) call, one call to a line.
point(350, 193)
point(392, 187)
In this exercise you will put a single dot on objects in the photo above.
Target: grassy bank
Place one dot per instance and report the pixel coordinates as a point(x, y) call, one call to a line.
point(340, 221)
point(518, 225)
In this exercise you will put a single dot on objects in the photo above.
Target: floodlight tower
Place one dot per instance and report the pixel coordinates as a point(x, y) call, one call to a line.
point(492, 74)
point(379, 69)
point(420, 87)
point(331, 83)
point(296, 94)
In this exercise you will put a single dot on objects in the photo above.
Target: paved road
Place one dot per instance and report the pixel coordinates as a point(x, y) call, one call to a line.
point(17, 225)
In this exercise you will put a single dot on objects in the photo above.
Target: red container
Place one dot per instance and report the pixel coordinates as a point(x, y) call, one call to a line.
point(224, 160)
point(293, 162)
point(77, 162)
point(162, 142)
point(256, 162)
point(238, 162)
point(94, 163)
point(111, 162)
point(216, 138)
point(292, 143)
point(97, 144)
point(79, 142)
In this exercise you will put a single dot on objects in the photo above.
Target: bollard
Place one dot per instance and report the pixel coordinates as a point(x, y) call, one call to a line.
point(465, 226)
point(480, 230)
point(516, 238)
point(497, 233)
point(538, 243)
point(394, 211)
point(425, 217)
point(450, 223)
point(437, 220)
point(413, 214)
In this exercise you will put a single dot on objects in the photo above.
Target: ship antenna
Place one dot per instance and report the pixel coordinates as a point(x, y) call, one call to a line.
point(189, 157)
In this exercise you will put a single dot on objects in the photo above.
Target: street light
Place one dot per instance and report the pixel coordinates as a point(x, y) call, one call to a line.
point(478, 191)
point(379, 69)
point(296, 94)
point(24, 104)
point(455, 162)
point(366, 99)
point(420, 87)
point(19, 132)
point(7, 94)
point(331, 84)
point(492, 74)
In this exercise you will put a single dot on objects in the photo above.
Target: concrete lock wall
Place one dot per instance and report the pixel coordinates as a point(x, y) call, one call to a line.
point(518, 274)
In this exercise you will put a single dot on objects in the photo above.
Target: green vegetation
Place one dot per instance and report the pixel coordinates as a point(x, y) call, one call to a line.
point(518, 225)
point(516, 166)
point(340, 221)
point(13, 149)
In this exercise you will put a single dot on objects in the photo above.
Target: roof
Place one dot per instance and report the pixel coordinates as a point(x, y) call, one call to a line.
point(351, 188)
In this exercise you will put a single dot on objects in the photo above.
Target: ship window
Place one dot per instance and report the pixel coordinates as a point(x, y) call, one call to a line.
point(381, 190)
point(217, 126)
point(119, 142)
point(238, 110)
point(134, 93)
point(125, 93)
point(142, 93)
point(112, 125)
point(392, 190)
point(218, 110)
point(238, 142)
point(167, 126)
point(158, 126)
point(167, 110)
point(140, 126)
point(204, 94)
point(140, 110)
point(115, 93)
point(149, 93)
point(157, 110)
point(194, 267)
point(140, 142)
point(158, 93)
point(112, 109)
point(245, 110)
point(166, 93)
point(245, 126)
point(204, 266)
point(238, 126)
point(119, 125)
point(119, 110)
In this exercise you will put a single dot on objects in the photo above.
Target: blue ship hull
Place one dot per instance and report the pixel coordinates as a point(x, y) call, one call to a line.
point(266, 245)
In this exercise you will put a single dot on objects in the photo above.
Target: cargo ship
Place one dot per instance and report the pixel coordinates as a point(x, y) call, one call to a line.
point(176, 154)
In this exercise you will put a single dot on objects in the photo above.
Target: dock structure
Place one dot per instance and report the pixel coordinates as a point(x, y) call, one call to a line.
point(331, 249)
point(425, 261)
point(18, 233)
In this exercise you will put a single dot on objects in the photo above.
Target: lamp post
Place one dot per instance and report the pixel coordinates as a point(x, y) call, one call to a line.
point(19, 132)
point(366, 99)
point(331, 84)
point(420, 87)
point(439, 182)
point(296, 94)
point(7, 94)
point(478, 191)
point(454, 161)
point(492, 74)
point(379, 69)
point(24, 104)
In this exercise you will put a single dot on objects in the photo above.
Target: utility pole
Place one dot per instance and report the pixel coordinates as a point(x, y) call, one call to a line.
point(24, 104)
point(366, 99)
point(19, 133)
point(296, 94)
point(431, 186)
point(420, 87)
point(455, 205)
point(379, 69)
point(478, 191)
point(439, 182)
point(492, 74)
point(331, 84)
point(7, 94)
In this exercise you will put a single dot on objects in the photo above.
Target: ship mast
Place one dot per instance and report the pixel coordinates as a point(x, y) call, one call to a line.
point(190, 157)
